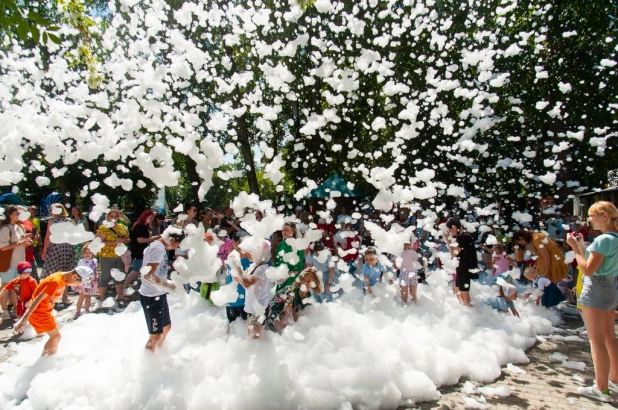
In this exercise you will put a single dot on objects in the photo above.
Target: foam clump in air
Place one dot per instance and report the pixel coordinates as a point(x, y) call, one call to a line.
point(66, 232)
point(202, 263)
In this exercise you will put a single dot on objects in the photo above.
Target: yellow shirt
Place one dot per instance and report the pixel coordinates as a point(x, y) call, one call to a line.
point(110, 236)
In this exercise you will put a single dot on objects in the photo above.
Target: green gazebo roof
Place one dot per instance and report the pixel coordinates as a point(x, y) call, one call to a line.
point(334, 183)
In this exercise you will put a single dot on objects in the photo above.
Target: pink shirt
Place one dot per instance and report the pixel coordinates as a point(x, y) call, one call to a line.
point(409, 261)
point(501, 264)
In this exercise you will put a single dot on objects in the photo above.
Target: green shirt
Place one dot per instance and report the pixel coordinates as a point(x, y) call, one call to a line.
point(282, 249)
point(606, 245)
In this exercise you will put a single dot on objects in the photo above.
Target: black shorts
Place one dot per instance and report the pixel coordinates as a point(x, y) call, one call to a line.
point(233, 312)
point(157, 313)
point(462, 279)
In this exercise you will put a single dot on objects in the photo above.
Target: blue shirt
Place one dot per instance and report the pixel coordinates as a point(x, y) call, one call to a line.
point(373, 272)
point(245, 263)
point(607, 245)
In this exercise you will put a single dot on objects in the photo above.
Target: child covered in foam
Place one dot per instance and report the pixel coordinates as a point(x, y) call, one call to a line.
point(507, 293)
point(547, 293)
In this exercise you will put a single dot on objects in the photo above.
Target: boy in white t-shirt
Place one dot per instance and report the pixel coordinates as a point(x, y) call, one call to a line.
point(155, 285)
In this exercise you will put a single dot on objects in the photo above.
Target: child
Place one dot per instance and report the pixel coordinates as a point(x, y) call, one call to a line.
point(409, 267)
point(257, 285)
point(236, 309)
point(320, 258)
point(550, 294)
point(507, 293)
point(86, 290)
point(289, 300)
point(23, 287)
point(40, 312)
point(501, 262)
point(372, 269)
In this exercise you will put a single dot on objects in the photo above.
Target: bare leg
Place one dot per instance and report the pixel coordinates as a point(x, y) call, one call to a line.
point(4, 298)
point(119, 291)
point(166, 330)
point(13, 299)
point(465, 298)
point(256, 331)
point(88, 299)
point(153, 342)
point(404, 294)
point(80, 300)
point(102, 291)
point(51, 347)
point(130, 278)
point(413, 294)
point(601, 343)
point(65, 295)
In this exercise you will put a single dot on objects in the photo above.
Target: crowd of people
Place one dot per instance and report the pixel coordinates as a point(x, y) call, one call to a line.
point(562, 259)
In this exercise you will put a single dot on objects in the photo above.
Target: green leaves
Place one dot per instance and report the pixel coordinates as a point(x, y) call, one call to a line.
point(15, 18)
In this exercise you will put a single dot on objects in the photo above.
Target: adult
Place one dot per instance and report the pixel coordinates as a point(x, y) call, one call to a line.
point(158, 225)
point(112, 234)
point(285, 255)
point(140, 239)
point(599, 296)
point(40, 312)
point(228, 222)
point(343, 215)
point(464, 250)
point(550, 260)
point(206, 216)
point(58, 257)
point(77, 216)
point(13, 243)
point(155, 285)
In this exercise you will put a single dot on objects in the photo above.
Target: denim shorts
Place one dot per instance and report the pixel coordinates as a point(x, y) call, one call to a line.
point(599, 292)
point(137, 264)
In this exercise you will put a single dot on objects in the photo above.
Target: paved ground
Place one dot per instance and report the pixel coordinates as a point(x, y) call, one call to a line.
point(546, 384)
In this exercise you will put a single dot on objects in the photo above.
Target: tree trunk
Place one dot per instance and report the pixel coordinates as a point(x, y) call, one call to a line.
point(247, 155)
point(194, 179)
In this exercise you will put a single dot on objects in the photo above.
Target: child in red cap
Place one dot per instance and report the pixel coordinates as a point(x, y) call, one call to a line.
point(23, 286)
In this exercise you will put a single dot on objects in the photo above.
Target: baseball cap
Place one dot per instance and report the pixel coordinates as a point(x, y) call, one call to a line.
point(84, 272)
point(24, 267)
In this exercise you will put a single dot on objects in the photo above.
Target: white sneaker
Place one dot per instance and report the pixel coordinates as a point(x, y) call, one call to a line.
point(99, 304)
point(5, 315)
point(612, 386)
point(594, 393)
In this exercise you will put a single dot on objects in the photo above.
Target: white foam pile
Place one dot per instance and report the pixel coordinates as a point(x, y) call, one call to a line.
point(355, 351)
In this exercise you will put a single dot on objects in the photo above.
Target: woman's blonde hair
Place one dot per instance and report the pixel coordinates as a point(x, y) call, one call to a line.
point(605, 207)
point(64, 212)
